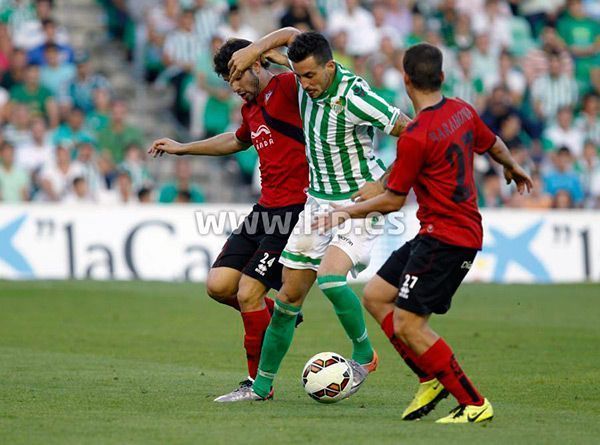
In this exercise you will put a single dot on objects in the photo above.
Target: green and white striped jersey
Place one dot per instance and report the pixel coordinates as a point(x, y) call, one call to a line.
point(338, 130)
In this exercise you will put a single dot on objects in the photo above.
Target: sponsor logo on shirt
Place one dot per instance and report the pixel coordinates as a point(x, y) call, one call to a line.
point(262, 137)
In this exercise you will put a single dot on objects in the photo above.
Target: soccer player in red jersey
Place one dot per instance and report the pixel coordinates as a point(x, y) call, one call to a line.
point(248, 266)
point(435, 159)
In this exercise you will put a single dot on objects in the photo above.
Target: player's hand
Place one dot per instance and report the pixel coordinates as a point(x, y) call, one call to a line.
point(241, 60)
point(325, 221)
point(368, 190)
point(521, 178)
point(165, 145)
point(275, 57)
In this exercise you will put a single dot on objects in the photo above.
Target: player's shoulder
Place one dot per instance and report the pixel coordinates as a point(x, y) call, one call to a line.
point(286, 77)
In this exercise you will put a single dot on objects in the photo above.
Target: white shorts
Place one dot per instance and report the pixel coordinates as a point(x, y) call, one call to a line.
point(305, 247)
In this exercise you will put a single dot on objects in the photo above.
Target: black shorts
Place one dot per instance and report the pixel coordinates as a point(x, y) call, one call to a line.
point(427, 273)
point(254, 247)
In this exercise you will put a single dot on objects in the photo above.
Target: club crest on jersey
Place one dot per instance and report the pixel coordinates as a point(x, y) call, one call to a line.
point(338, 104)
point(262, 137)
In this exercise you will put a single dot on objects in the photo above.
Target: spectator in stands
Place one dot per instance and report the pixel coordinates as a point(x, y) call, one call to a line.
point(589, 166)
point(563, 199)
point(234, 27)
point(484, 55)
point(538, 198)
point(563, 177)
point(99, 118)
point(358, 23)
point(37, 97)
point(86, 166)
point(14, 180)
point(16, 72)
point(145, 196)
point(490, 194)
point(73, 131)
point(582, 36)
point(509, 76)
point(461, 36)
point(302, 14)
point(119, 134)
point(398, 16)
point(464, 83)
point(161, 19)
point(536, 62)
point(540, 12)
point(218, 99)
point(38, 150)
point(18, 129)
point(554, 90)
point(495, 20)
point(418, 31)
point(260, 13)
point(208, 17)
point(181, 51)
point(51, 37)
point(588, 121)
point(55, 75)
point(79, 193)
point(564, 134)
point(183, 175)
point(135, 165)
point(85, 83)
point(339, 43)
point(57, 177)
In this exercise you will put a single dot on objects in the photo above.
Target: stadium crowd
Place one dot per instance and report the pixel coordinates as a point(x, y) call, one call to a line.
point(530, 67)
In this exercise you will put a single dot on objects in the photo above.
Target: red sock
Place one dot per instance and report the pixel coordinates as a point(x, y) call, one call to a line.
point(439, 360)
point(255, 325)
point(270, 304)
point(407, 354)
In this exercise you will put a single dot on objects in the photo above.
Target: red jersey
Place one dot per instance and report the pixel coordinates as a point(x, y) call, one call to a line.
point(435, 157)
point(272, 123)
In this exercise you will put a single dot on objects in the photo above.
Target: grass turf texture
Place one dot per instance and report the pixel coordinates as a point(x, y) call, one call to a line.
point(89, 362)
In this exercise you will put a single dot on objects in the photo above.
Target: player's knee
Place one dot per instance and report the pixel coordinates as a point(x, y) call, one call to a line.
point(219, 289)
point(290, 295)
point(248, 296)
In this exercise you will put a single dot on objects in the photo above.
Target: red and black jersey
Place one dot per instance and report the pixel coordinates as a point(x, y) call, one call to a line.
point(435, 158)
point(272, 123)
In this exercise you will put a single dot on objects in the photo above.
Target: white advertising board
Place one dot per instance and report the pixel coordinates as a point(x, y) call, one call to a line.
point(163, 243)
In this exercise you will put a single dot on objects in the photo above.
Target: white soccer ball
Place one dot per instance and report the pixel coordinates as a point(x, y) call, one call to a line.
point(327, 377)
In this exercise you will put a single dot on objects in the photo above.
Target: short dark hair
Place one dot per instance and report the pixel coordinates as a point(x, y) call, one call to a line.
point(310, 44)
point(223, 56)
point(423, 65)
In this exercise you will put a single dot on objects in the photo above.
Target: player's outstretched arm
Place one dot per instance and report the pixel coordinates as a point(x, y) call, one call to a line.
point(242, 59)
point(512, 171)
point(220, 145)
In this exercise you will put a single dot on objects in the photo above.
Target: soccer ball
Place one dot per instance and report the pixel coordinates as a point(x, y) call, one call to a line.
point(327, 377)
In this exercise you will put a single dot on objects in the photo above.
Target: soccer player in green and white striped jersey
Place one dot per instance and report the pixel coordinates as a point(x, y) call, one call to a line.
point(339, 113)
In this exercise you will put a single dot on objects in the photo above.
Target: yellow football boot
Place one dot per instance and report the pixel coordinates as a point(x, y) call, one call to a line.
point(469, 414)
point(427, 397)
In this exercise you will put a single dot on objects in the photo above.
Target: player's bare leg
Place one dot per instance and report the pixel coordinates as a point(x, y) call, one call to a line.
point(222, 285)
point(436, 358)
point(332, 273)
point(378, 299)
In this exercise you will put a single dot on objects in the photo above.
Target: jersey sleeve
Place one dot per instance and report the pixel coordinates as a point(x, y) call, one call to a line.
point(365, 107)
point(410, 158)
point(243, 133)
point(484, 138)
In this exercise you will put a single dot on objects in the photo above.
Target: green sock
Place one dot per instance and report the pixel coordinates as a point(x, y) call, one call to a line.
point(349, 310)
point(276, 343)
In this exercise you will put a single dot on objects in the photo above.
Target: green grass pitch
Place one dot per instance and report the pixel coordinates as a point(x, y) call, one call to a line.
point(139, 363)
